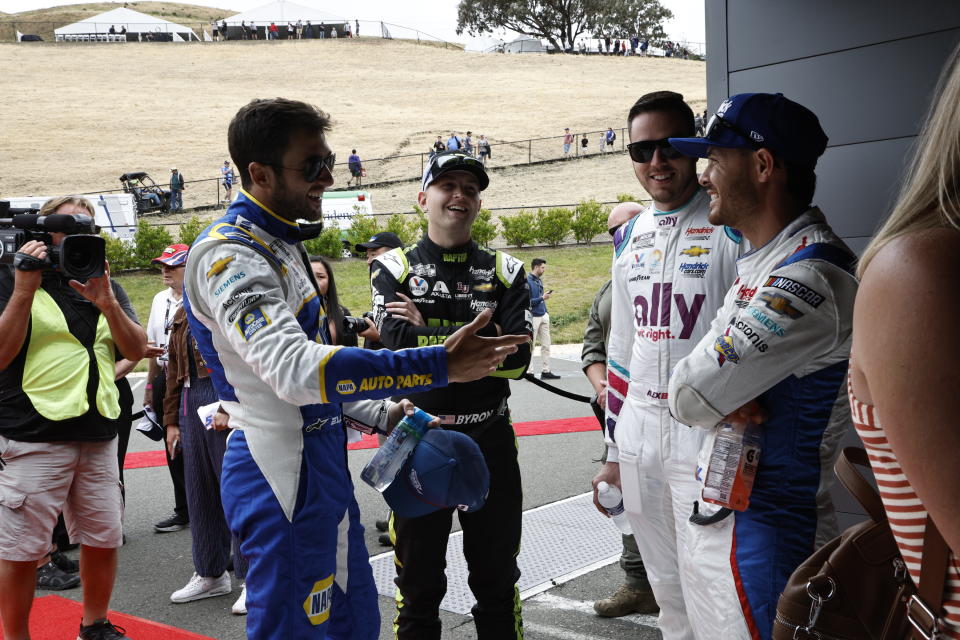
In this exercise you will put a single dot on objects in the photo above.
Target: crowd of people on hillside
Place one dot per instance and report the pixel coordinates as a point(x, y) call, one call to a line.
point(299, 30)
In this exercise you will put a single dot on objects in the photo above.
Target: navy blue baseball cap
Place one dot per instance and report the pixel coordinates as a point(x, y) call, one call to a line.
point(761, 120)
point(445, 470)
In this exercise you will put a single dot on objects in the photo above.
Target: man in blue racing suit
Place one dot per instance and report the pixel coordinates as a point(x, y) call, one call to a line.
point(255, 312)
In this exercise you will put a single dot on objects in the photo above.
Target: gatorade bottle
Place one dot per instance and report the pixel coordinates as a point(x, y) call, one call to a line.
point(733, 465)
point(611, 500)
point(385, 465)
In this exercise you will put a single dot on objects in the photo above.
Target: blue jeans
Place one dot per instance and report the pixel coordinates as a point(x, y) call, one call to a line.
point(176, 200)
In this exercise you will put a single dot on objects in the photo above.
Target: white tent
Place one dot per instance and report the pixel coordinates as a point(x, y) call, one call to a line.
point(524, 44)
point(282, 12)
point(139, 26)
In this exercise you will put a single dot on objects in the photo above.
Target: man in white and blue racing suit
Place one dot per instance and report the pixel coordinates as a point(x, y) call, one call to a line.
point(776, 353)
point(254, 310)
point(670, 271)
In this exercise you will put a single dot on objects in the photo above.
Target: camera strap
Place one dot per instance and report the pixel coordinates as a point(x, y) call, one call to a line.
point(26, 262)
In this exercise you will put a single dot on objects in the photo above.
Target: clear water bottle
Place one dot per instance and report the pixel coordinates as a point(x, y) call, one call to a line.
point(611, 500)
point(385, 465)
point(733, 464)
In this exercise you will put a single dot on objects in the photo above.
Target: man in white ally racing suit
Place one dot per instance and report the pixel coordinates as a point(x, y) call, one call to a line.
point(670, 270)
point(776, 352)
point(255, 312)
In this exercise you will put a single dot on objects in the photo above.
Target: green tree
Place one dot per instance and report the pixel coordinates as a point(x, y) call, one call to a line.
point(397, 224)
point(361, 228)
point(553, 225)
point(419, 224)
point(519, 229)
point(329, 243)
point(589, 220)
point(190, 229)
point(484, 229)
point(561, 22)
point(150, 242)
point(627, 197)
point(119, 254)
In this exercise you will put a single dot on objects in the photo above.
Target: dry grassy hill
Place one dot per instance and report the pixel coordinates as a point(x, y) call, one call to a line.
point(89, 112)
point(43, 21)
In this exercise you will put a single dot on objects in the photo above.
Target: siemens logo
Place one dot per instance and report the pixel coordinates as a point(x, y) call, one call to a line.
point(230, 281)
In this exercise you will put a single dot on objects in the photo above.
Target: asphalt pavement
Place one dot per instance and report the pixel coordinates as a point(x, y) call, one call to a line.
point(555, 468)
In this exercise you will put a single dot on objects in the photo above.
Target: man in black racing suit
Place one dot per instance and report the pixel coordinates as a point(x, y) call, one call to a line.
point(421, 294)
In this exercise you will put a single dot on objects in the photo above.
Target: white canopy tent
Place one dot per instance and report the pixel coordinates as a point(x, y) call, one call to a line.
point(139, 26)
point(284, 13)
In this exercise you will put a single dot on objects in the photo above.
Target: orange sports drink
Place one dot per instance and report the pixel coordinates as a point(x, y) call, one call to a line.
point(733, 464)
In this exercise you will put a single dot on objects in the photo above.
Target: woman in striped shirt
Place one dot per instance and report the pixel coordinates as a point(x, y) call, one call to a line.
point(904, 373)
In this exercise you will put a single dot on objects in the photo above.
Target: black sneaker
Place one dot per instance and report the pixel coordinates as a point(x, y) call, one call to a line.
point(175, 522)
point(382, 525)
point(102, 630)
point(51, 577)
point(546, 375)
point(64, 563)
point(385, 540)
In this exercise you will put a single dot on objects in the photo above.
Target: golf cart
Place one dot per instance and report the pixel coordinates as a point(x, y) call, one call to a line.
point(147, 194)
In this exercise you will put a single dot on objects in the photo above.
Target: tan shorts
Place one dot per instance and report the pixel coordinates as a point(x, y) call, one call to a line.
point(41, 479)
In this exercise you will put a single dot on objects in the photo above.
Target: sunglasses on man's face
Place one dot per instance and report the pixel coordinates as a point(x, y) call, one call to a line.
point(642, 152)
point(313, 166)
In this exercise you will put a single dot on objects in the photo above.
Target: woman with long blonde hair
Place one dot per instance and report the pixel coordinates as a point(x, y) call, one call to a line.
point(904, 373)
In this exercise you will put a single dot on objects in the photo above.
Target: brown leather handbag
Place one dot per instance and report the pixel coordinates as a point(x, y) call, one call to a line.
point(856, 587)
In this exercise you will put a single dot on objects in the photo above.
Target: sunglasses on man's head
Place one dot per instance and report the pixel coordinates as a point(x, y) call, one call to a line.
point(455, 159)
point(719, 123)
point(642, 152)
point(313, 166)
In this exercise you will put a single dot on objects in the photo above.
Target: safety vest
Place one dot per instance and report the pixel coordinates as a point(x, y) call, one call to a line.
point(57, 366)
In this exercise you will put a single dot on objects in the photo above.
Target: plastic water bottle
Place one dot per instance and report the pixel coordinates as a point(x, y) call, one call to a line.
point(733, 465)
point(385, 465)
point(611, 500)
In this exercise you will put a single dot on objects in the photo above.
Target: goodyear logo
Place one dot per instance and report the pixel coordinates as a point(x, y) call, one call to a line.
point(400, 382)
point(218, 266)
point(317, 604)
point(251, 322)
point(695, 251)
point(346, 387)
point(725, 350)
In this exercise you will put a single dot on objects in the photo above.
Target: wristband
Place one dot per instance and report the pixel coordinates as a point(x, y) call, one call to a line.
point(149, 385)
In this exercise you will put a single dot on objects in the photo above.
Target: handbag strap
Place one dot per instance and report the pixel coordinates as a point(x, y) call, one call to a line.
point(856, 484)
point(933, 575)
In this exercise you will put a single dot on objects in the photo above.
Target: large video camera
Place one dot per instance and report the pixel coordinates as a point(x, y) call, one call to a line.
point(80, 255)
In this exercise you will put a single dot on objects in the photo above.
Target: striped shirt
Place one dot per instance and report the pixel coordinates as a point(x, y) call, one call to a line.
point(906, 515)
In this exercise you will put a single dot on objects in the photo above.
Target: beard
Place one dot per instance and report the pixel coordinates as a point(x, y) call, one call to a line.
point(294, 207)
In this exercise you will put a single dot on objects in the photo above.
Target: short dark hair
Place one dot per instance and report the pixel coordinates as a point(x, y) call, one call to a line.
point(801, 182)
point(353, 151)
point(668, 101)
point(536, 262)
point(261, 130)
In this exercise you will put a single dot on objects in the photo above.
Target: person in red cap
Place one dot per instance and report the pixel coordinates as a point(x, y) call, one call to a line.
point(165, 305)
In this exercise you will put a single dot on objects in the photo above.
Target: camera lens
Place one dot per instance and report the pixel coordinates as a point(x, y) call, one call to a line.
point(80, 257)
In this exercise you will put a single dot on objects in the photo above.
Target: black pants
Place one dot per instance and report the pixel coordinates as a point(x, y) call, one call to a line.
point(176, 464)
point(491, 542)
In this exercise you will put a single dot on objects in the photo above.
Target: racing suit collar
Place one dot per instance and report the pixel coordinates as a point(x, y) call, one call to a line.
point(813, 215)
point(448, 254)
point(261, 215)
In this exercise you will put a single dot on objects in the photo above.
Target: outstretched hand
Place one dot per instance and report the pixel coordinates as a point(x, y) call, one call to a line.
point(471, 357)
point(96, 290)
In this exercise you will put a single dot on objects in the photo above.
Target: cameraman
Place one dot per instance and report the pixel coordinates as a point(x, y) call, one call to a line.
point(378, 244)
point(59, 410)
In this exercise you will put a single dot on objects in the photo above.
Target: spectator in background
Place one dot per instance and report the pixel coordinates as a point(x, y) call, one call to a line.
point(567, 142)
point(202, 445)
point(176, 190)
point(541, 319)
point(584, 143)
point(453, 142)
point(903, 392)
point(164, 307)
point(58, 431)
point(609, 138)
point(355, 167)
point(112, 30)
point(273, 33)
point(439, 146)
point(336, 312)
point(468, 143)
point(309, 31)
point(322, 30)
point(644, 46)
point(333, 32)
point(483, 149)
point(635, 595)
point(291, 31)
point(356, 28)
point(228, 177)
point(298, 29)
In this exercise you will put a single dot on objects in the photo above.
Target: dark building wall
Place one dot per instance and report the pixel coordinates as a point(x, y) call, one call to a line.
point(867, 68)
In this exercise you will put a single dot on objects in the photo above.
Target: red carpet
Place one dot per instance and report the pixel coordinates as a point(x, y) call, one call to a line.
point(55, 618)
point(535, 428)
